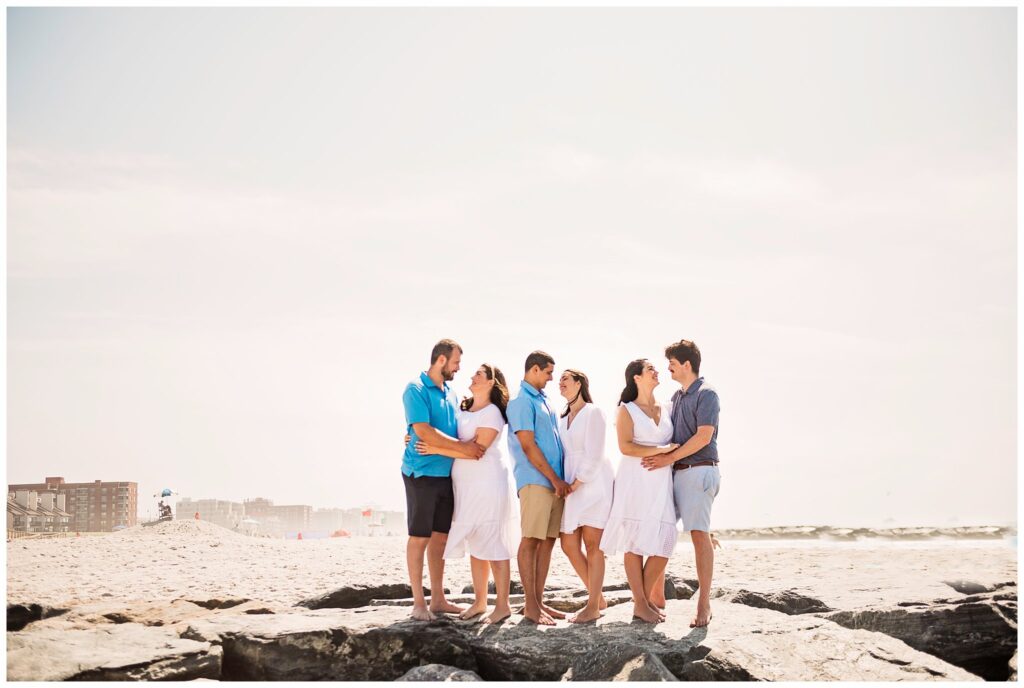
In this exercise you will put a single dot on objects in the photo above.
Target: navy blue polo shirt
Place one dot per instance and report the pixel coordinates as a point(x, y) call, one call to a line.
point(692, 407)
point(425, 402)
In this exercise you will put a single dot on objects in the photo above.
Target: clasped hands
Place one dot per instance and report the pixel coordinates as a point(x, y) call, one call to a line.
point(660, 460)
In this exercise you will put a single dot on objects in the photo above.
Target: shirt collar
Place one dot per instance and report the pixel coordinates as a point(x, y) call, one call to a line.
point(694, 386)
point(531, 390)
point(430, 383)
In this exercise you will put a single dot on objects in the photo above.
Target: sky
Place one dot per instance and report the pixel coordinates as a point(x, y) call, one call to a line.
point(234, 235)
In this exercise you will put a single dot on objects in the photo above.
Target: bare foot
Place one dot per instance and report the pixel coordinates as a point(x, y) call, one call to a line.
point(703, 616)
point(645, 613)
point(586, 615)
point(499, 614)
point(538, 617)
point(422, 614)
point(553, 613)
point(475, 610)
point(603, 604)
point(445, 608)
point(659, 612)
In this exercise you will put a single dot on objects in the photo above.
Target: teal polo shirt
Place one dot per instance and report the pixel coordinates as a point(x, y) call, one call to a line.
point(426, 403)
point(530, 411)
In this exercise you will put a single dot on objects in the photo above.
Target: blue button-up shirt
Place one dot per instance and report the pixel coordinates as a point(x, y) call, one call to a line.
point(425, 402)
point(692, 407)
point(530, 411)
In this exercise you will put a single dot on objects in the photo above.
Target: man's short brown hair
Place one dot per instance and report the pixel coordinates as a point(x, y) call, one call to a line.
point(684, 350)
point(445, 347)
point(540, 359)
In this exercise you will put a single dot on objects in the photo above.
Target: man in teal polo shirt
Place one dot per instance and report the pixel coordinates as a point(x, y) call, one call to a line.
point(430, 406)
point(537, 457)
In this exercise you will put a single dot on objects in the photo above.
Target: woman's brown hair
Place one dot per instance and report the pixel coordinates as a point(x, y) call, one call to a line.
point(584, 389)
point(499, 392)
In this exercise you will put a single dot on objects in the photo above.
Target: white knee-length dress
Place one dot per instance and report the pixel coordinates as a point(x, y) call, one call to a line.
point(643, 515)
point(585, 460)
point(484, 522)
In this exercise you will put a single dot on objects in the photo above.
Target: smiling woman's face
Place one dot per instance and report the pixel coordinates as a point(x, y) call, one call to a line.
point(568, 386)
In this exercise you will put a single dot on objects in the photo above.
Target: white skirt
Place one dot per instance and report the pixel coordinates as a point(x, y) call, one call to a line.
point(643, 515)
point(484, 523)
point(590, 504)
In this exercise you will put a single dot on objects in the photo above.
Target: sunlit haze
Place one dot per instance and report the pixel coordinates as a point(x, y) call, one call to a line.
point(235, 234)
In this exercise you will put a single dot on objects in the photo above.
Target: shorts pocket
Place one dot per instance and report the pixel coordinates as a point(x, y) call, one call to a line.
point(712, 481)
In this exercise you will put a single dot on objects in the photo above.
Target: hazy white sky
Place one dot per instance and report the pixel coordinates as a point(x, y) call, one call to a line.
point(235, 234)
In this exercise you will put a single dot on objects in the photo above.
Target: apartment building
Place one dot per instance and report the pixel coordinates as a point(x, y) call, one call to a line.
point(91, 507)
point(31, 512)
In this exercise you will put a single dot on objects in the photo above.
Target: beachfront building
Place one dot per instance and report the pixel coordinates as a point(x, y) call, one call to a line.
point(91, 507)
point(279, 520)
point(31, 512)
point(219, 511)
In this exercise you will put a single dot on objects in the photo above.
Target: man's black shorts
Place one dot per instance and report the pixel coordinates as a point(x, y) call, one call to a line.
point(429, 504)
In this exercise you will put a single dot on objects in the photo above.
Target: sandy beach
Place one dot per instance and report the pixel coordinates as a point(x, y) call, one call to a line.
point(197, 561)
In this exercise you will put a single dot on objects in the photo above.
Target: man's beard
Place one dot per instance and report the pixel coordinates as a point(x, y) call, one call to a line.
point(447, 375)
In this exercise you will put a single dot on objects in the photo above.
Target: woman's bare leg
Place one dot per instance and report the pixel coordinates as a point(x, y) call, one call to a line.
point(654, 571)
point(634, 565)
point(595, 569)
point(502, 573)
point(479, 569)
point(572, 545)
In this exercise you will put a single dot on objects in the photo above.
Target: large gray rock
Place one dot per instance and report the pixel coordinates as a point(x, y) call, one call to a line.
point(21, 615)
point(785, 601)
point(109, 652)
point(977, 632)
point(438, 672)
point(615, 662)
point(353, 596)
point(743, 643)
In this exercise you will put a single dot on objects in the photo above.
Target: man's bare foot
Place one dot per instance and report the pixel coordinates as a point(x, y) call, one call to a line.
point(703, 616)
point(475, 610)
point(586, 615)
point(422, 614)
point(499, 614)
point(553, 613)
point(538, 617)
point(645, 613)
point(445, 608)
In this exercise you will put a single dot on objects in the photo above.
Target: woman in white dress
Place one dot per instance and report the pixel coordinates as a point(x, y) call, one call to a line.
point(581, 429)
point(642, 522)
point(484, 522)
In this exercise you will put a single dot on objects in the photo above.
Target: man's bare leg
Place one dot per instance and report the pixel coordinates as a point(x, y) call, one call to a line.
point(704, 553)
point(543, 563)
point(414, 550)
point(528, 576)
point(435, 563)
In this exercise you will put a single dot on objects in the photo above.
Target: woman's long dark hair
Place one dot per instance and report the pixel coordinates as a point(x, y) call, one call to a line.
point(499, 392)
point(584, 389)
point(630, 393)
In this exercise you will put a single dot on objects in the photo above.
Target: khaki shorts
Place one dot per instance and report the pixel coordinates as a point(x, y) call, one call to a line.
point(540, 512)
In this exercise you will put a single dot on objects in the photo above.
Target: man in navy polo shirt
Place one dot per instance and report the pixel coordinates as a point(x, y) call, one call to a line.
point(695, 476)
point(537, 457)
point(430, 406)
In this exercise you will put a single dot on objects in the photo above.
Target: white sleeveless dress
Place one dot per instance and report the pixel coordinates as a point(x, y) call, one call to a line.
point(484, 522)
point(585, 459)
point(643, 516)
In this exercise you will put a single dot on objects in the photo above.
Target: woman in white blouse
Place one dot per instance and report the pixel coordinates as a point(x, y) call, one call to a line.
point(484, 523)
point(582, 429)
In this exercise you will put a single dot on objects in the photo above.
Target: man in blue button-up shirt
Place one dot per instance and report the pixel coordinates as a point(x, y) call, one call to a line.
point(430, 406)
point(537, 457)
